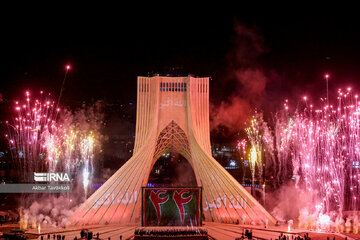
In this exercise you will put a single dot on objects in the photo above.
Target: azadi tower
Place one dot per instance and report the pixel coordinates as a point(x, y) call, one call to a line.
point(172, 116)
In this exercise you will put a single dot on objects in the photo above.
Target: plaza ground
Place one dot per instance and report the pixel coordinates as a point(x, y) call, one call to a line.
point(218, 231)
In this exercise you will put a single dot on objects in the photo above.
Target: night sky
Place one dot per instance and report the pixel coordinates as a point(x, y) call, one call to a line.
point(108, 48)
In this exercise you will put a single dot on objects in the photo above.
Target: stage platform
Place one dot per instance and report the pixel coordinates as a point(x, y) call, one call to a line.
point(170, 233)
point(218, 231)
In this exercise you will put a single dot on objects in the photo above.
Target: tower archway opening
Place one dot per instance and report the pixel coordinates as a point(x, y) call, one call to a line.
point(172, 170)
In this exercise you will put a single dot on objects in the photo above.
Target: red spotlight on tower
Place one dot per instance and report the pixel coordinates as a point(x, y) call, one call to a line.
point(68, 67)
point(327, 76)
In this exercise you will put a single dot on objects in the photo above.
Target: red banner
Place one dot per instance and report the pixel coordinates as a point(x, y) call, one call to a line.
point(171, 206)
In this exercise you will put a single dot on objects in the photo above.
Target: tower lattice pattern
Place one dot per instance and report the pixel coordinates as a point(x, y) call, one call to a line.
point(172, 139)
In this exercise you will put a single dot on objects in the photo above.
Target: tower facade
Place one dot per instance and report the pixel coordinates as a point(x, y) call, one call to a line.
point(172, 116)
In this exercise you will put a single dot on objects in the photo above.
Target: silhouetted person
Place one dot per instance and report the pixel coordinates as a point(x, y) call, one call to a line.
point(250, 235)
point(82, 233)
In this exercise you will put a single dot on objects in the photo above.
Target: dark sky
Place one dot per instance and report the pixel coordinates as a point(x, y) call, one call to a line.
point(107, 49)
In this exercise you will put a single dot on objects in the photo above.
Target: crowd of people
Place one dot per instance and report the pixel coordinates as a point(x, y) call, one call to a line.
point(57, 237)
point(305, 237)
point(248, 235)
point(84, 235)
point(195, 233)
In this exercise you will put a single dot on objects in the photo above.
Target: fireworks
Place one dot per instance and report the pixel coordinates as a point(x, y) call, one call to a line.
point(261, 141)
point(73, 147)
point(255, 137)
point(321, 147)
point(46, 139)
point(241, 147)
point(85, 179)
point(32, 119)
point(43, 138)
point(324, 145)
point(253, 157)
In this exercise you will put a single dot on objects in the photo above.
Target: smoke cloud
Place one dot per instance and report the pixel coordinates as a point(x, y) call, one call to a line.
point(50, 210)
point(245, 76)
point(231, 113)
point(287, 201)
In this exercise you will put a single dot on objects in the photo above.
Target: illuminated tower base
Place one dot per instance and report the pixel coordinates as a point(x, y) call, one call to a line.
point(172, 116)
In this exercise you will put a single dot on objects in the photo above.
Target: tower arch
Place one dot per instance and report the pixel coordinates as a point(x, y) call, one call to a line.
point(172, 114)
